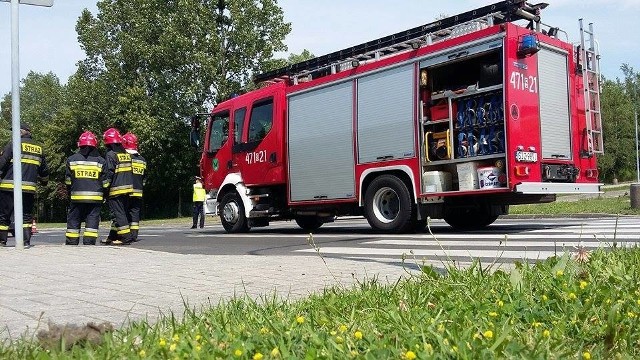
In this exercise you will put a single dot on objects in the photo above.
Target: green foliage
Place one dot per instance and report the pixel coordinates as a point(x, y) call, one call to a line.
point(150, 64)
point(555, 309)
point(617, 105)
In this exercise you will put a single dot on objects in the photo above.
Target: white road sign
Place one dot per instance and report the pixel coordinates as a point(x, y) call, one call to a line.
point(34, 2)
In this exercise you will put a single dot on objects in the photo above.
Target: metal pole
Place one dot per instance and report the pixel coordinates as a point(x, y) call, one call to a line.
point(635, 116)
point(15, 126)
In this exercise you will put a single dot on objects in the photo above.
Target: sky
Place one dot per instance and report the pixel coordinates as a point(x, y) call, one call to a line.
point(48, 41)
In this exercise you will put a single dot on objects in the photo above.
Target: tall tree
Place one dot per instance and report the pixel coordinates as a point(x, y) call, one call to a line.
point(150, 63)
point(617, 103)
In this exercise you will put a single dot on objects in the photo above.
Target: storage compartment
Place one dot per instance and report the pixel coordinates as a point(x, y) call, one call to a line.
point(467, 175)
point(483, 70)
point(436, 181)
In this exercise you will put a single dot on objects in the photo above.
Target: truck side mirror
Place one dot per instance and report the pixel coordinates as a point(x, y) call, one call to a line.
point(194, 138)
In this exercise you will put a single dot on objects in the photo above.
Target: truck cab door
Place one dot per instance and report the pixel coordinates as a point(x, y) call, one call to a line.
point(259, 151)
point(216, 161)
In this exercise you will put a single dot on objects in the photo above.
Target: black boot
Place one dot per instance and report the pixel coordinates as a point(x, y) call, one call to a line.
point(4, 235)
point(134, 235)
point(26, 232)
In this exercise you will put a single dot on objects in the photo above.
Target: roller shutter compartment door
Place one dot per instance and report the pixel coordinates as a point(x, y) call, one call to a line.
point(321, 161)
point(555, 124)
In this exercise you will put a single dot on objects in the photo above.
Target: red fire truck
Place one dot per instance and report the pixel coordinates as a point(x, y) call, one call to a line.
point(456, 119)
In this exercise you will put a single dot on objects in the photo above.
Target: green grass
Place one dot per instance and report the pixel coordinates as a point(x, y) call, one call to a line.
point(615, 205)
point(555, 309)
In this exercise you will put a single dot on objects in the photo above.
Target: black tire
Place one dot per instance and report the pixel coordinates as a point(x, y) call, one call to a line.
point(309, 223)
point(471, 218)
point(232, 214)
point(388, 206)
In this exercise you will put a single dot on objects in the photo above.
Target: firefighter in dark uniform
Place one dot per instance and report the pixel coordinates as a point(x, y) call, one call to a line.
point(34, 166)
point(120, 177)
point(86, 182)
point(139, 167)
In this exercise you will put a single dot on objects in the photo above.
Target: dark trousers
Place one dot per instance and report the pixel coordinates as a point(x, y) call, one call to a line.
point(120, 229)
point(198, 210)
point(135, 205)
point(89, 213)
point(6, 210)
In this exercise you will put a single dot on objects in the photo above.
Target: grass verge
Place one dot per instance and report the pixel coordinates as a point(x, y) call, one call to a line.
point(614, 205)
point(557, 308)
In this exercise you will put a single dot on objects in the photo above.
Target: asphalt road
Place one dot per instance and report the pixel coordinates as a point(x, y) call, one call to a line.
point(507, 240)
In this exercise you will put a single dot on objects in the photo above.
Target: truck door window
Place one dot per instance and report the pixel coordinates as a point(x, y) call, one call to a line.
point(261, 120)
point(238, 124)
point(219, 131)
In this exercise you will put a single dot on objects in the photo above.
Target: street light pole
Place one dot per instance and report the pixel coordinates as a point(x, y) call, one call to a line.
point(635, 116)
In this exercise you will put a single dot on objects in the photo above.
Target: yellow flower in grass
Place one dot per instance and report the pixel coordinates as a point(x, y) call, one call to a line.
point(410, 355)
point(638, 302)
point(142, 353)
point(586, 355)
point(583, 284)
point(536, 324)
point(275, 352)
point(173, 347)
point(441, 328)
point(342, 328)
point(333, 333)
point(493, 314)
point(237, 353)
point(559, 273)
point(544, 297)
point(546, 333)
point(358, 335)
point(500, 303)
point(176, 338)
point(300, 319)
point(162, 343)
point(631, 314)
point(198, 348)
point(428, 348)
point(572, 296)
point(257, 356)
point(198, 337)
point(477, 336)
point(488, 334)
point(339, 339)
point(264, 330)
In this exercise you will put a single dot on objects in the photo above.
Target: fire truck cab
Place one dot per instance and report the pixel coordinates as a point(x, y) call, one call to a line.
point(456, 119)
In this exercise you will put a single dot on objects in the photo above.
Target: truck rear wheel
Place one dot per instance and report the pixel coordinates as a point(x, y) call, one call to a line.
point(387, 205)
point(309, 223)
point(471, 218)
point(232, 214)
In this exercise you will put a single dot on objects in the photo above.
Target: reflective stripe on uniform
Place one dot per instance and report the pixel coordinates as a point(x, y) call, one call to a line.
point(125, 231)
point(72, 233)
point(4, 227)
point(86, 195)
point(26, 186)
point(90, 233)
point(134, 226)
point(120, 190)
point(136, 193)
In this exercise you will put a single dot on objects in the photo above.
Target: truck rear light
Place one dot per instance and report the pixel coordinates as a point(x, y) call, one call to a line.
point(591, 173)
point(522, 170)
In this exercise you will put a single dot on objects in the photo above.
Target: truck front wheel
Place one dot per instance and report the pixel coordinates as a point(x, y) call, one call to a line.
point(232, 214)
point(387, 205)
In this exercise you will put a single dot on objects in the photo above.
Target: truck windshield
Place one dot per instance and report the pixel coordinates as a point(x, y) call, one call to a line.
point(219, 131)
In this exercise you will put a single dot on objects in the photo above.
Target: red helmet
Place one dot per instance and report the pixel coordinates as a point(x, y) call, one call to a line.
point(87, 139)
point(130, 141)
point(111, 136)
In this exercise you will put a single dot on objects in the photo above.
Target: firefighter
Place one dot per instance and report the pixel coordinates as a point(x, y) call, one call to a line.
point(86, 182)
point(139, 167)
point(120, 177)
point(34, 166)
point(199, 197)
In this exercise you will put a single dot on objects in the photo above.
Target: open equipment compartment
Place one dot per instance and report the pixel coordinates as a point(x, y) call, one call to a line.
point(462, 119)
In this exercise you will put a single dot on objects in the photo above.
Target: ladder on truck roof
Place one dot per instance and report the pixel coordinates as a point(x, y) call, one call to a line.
point(497, 13)
point(589, 53)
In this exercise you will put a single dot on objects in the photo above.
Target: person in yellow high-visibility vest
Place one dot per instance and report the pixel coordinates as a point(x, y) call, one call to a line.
point(199, 196)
